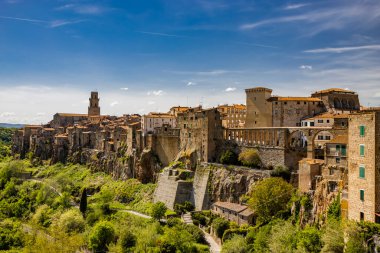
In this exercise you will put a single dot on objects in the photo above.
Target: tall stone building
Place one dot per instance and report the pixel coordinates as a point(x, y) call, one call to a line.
point(94, 109)
point(338, 100)
point(259, 109)
point(233, 116)
point(364, 166)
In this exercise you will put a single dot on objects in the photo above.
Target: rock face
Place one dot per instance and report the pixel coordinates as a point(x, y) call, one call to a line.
point(147, 167)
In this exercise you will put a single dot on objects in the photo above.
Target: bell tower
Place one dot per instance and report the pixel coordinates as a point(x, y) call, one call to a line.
point(94, 109)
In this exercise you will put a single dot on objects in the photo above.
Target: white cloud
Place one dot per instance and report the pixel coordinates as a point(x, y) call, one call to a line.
point(112, 104)
point(125, 89)
point(191, 84)
point(229, 89)
point(59, 23)
point(7, 114)
point(151, 102)
point(342, 49)
point(156, 93)
point(294, 6)
point(41, 113)
point(306, 67)
point(90, 9)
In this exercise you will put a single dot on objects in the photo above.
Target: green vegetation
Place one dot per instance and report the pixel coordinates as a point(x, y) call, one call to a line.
point(250, 158)
point(5, 142)
point(158, 210)
point(229, 157)
point(183, 208)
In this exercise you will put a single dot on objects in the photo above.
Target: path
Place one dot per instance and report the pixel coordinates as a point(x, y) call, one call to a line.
point(187, 218)
point(214, 246)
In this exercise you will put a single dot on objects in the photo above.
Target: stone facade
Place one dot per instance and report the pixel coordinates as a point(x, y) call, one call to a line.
point(233, 116)
point(94, 109)
point(241, 214)
point(154, 120)
point(364, 166)
point(259, 109)
point(338, 100)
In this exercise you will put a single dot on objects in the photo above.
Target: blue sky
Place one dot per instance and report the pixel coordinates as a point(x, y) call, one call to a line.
point(149, 55)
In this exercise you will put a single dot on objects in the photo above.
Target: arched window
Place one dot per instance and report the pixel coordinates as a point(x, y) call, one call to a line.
point(337, 103)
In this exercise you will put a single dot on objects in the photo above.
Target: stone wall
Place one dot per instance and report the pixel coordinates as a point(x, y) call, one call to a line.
point(200, 197)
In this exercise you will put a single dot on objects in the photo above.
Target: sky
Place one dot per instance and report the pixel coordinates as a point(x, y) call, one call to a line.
point(144, 56)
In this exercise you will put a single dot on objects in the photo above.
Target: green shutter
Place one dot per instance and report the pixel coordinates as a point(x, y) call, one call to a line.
point(361, 172)
point(337, 148)
point(362, 150)
point(344, 152)
point(362, 195)
point(362, 131)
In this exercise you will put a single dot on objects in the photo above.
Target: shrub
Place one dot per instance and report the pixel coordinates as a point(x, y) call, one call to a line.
point(72, 221)
point(269, 198)
point(230, 233)
point(43, 216)
point(261, 239)
point(199, 217)
point(171, 222)
point(250, 158)
point(229, 157)
point(196, 233)
point(220, 225)
point(10, 235)
point(101, 236)
point(158, 210)
point(332, 238)
point(283, 237)
point(128, 241)
point(183, 208)
point(309, 240)
point(236, 244)
point(281, 171)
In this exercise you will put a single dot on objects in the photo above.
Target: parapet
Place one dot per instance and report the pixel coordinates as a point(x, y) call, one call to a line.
point(258, 89)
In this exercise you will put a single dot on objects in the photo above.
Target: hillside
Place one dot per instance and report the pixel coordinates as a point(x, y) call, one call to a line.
point(9, 125)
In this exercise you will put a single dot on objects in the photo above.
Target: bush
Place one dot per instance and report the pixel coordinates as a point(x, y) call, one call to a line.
point(43, 216)
point(236, 244)
point(183, 208)
point(10, 235)
point(101, 236)
point(261, 239)
point(283, 237)
point(72, 222)
point(128, 241)
point(196, 233)
point(158, 210)
point(220, 225)
point(333, 238)
point(230, 233)
point(270, 198)
point(171, 222)
point(309, 240)
point(199, 217)
point(229, 157)
point(250, 158)
point(281, 171)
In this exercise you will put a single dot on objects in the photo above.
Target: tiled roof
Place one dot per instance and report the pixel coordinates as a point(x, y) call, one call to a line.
point(309, 99)
point(231, 206)
point(333, 90)
point(72, 115)
point(339, 139)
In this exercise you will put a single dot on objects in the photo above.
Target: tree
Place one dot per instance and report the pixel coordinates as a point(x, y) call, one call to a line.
point(261, 240)
point(72, 222)
point(332, 238)
point(309, 240)
point(250, 158)
point(101, 236)
point(128, 241)
point(283, 237)
point(83, 202)
point(158, 210)
point(220, 225)
point(269, 198)
point(228, 157)
point(236, 244)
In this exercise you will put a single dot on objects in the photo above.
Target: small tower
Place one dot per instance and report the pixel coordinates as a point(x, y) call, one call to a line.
point(259, 109)
point(94, 109)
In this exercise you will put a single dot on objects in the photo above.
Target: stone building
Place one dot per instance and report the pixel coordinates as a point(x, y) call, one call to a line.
point(154, 119)
point(241, 214)
point(94, 109)
point(338, 100)
point(233, 116)
point(201, 131)
point(364, 166)
point(259, 109)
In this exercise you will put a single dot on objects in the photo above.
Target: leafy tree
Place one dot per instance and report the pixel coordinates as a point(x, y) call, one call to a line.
point(269, 198)
point(283, 237)
point(281, 171)
point(334, 210)
point(250, 158)
point(83, 202)
point(261, 242)
point(72, 222)
point(128, 241)
point(229, 157)
point(158, 210)
point(195, 232)
point(220, 225)
point(332, 238)
point(236, 244)
point(10, 235)
point(101, 236)
point(309, 240)
point(43, 216)
point(183, 208)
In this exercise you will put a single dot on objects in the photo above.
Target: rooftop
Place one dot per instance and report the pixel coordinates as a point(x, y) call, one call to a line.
point(231, 206)
point(339, 139)
point(332, 90)
point(306, 99)
point(71, 114)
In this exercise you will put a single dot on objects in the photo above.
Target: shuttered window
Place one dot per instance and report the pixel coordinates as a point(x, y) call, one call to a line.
point(362, 195)
point(362, 131)
point(361, 172)
point(361, 149)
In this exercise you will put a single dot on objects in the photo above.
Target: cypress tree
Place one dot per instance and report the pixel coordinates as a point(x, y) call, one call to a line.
point(83, 202)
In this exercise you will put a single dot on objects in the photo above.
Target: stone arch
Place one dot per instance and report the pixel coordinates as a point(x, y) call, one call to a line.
point(337, 103)
point(297, 140)
point(319, 139)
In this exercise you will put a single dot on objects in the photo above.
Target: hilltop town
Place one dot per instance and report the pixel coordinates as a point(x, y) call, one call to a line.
point(327, 141)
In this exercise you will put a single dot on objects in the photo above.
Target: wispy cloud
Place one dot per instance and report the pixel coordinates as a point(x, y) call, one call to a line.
point(256, 45)
point(125, 88)
point(306, 67)
point(50, 24)
point(58, 23)
point(156, 93)
point(229, 89)
point(342, 49)
point(112, 104)
point(295, 6)
point(90, 9)
point(363, 14)
point(24, 19)
point(191, 84)
point(161, 34)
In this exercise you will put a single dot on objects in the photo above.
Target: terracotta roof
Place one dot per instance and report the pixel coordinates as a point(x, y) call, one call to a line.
point(309, 99)
point(159, 115)
point(49, 129)
point(231, 206)
point(333, 90)
point(72, 114)
point(339, 139)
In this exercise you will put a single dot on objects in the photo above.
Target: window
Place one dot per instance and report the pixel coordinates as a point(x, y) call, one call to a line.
point(361, 149)
point(361, 216)
point(337, 160)
point(362, 131)
point(298, 102)
point(362, 195)
point(328, 121)
point(343, 150)
point(320, 121)
point(362, 171)
point(311, 123)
